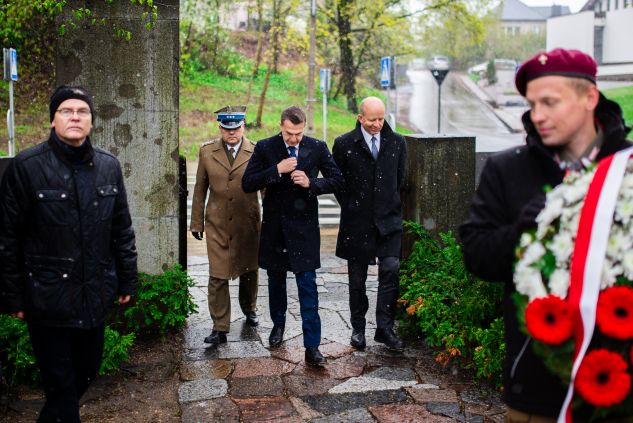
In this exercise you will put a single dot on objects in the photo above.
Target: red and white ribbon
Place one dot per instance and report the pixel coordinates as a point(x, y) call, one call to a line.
point(588, 257)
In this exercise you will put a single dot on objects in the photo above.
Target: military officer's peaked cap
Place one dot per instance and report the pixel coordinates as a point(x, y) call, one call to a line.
point(563, 62)
point(231, 117)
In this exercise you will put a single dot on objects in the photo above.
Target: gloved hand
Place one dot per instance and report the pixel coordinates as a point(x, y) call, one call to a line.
point(527, 217)
point(197, 235)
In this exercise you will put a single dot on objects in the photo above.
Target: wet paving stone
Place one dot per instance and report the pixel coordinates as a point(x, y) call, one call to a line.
point(367, 384)
point(256, 386)
point(405, 413)
point(268, 366)
point(291, 350)
point(358, 415)
point(331, 404)
point(335, 350)
point(393, 373)
point(303, 385)
point(274, 409)
point(212, 411)
point(341, 368)
point(485, 410)
point(240, 331)
point(379, 356)
point(202, 389)
point(304, 411)
point(424, 396)
point(446, 409)
point(213, 369)
point(242, 350)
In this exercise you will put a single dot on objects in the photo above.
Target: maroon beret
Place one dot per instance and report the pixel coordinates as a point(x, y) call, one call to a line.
point(559, 61)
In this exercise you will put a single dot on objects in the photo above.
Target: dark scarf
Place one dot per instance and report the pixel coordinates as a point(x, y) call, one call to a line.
point(70, 155)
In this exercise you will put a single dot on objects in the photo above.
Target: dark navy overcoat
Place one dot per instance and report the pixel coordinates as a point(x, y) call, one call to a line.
point(290, 236)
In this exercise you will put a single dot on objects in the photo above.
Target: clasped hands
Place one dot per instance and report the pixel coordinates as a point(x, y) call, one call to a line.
point(298, 177)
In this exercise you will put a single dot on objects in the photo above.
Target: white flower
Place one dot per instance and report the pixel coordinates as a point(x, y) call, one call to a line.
point(526, 239)
point(618, 242)
point(624, 210)
point(559, 282)
point(533, 253)
point(551, 211)
point(562, 246)
point(528, 281)
point(610, 271)
point(627, 264)
point(574, 193)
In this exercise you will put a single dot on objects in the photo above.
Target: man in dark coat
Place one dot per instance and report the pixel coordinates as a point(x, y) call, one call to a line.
point(372, 159)
point(569, 124)
point(67, 249)
point(287, 166)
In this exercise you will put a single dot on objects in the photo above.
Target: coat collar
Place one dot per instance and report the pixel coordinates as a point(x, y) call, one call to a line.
point(243, 155)
point(385, 135)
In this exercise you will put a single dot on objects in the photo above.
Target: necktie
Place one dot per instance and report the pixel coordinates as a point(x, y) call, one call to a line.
point(231, 155)
point(374, 149)
point(292, 151)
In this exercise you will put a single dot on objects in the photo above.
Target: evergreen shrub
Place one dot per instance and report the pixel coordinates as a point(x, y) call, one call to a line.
point(459, 315)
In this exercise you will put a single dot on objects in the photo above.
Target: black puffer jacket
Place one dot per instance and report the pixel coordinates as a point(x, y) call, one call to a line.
point(67, 246)
point(510, 180)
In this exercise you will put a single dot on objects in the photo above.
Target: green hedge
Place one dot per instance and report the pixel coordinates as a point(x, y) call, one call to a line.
point(160, 306)
point(452, 310)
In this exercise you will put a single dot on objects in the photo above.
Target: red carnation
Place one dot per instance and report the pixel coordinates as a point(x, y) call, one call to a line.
point(549, 320)
point(602, 378)
point(614, 315)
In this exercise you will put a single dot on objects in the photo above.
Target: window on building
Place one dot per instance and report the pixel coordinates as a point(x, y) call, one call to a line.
point(608, 5)
point(616, 6)
point(536, 29)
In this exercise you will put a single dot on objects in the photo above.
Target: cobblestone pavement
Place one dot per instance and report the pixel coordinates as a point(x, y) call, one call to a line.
point(245, 380)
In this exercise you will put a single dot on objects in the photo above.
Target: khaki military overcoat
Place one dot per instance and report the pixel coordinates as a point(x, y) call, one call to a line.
point(231, 221)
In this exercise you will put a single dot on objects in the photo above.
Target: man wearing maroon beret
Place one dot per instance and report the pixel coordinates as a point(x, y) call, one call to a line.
point(570, 124)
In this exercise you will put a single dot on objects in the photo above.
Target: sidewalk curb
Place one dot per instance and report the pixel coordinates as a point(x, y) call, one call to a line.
point(485, 99)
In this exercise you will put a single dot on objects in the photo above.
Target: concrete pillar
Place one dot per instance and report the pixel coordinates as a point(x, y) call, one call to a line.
point(439, 184)
point(135, 88)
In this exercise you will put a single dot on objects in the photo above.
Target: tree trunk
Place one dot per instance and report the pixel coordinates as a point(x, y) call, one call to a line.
point(258, 56)
point(348, 74)
point(216, 35)
point(262, 98)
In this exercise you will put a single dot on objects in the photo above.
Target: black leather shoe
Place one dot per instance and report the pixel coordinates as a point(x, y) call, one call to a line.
point(387, 337)
point(251, 319)
point(358, 339)
point(216, 338)
point(276, 336)
point(314, 357)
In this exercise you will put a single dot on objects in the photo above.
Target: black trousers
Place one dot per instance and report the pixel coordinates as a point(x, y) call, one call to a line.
point(69, 360)
point(388, 283)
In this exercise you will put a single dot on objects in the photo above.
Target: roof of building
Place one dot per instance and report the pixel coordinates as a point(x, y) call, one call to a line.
point(515, 10)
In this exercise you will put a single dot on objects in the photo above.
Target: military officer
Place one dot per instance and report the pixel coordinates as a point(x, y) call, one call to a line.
point(231, 221)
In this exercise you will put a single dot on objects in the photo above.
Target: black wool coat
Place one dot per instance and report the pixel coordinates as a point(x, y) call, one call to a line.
point(509, 180)
point(290, 236)
point(371, 212)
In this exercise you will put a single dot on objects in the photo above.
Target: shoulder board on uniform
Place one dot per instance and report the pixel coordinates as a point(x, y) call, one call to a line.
point(210, 142)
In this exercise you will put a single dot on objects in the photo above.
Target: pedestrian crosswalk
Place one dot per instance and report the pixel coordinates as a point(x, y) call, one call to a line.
point(329, 209)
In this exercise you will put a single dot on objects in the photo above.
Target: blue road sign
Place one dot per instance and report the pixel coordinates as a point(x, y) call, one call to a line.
point(385, 71)
point(324, 80)
point(13, 65)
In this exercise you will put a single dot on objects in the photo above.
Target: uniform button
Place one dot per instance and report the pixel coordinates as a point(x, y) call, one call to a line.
point(63, 195)
point(230, 218)
point(114, 189)
point(102, 191)
point(30, 273)
point(65, 275)
point(230, 179)
point(96, 203)
point(40, 195)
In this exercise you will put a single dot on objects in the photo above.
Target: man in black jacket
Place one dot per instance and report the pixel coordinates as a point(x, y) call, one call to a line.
point(569, 124)
point(287, 165)
point(372, 159)
point(67, 249)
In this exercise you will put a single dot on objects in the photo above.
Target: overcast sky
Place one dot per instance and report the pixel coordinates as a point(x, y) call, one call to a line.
point(574, 5)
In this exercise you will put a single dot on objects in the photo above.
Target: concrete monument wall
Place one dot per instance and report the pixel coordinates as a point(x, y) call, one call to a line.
point(135, 88)
point(439, 184)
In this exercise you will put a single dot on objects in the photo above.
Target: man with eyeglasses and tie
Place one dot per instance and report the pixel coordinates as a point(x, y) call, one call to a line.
point(231, 221)
point(372, 159)
point(287, 166)
point(67, 250)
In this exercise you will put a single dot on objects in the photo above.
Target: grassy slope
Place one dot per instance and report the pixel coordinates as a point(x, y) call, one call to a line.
point(623, 96)
point(202, 92)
